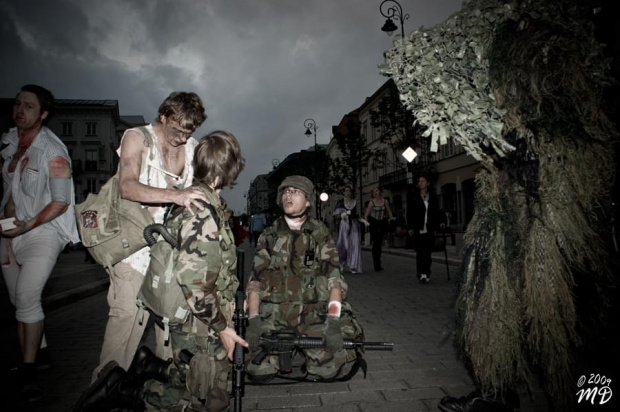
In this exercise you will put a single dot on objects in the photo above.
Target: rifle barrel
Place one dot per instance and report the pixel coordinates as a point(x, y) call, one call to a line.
point(310, 343)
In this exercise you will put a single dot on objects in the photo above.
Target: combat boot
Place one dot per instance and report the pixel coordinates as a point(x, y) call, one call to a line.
point(476, 402)
point(145, 365)
point(111, 390)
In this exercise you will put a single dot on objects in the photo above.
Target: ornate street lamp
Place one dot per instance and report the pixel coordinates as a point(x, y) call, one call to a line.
point(391, 12)
point(310, 126)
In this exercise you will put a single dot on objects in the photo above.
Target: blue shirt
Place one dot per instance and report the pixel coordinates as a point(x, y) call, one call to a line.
point(258, 223)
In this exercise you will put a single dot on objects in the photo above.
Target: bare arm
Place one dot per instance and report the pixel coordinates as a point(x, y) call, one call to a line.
point(389, 211)
point(261, 263)
point(133, 150)
point(368, 208)
point(253, 304)
point(335, 294)
point(9, 208)
point(59, 167)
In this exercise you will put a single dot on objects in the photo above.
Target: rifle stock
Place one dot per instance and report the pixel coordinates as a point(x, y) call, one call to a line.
point(240, 320)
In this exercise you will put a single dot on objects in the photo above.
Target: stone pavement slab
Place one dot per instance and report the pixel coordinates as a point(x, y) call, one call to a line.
point(391, 306)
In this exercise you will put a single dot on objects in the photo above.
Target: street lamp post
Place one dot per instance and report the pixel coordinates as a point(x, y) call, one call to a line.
point(310, 126)
point(391, 12)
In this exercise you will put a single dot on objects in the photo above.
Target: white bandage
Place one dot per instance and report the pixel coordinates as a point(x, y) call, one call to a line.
point(338, 305)
point(60, 189)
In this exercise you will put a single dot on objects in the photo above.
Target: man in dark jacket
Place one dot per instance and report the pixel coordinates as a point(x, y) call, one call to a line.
point(423, 219)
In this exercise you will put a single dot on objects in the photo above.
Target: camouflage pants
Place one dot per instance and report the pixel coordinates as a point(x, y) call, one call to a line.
point(203, 385)
point(307, 320)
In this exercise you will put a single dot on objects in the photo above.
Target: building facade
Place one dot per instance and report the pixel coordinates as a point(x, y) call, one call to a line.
point(451, 169)
point(258, 195)
point(91, 130)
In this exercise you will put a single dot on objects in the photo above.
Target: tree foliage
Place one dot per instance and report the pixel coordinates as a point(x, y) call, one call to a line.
point(346, 169)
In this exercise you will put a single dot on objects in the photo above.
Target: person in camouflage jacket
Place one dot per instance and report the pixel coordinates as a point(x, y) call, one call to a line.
point(296, 285)
point(200, 322)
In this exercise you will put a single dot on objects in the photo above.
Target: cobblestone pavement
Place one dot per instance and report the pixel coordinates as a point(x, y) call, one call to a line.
point(390, 305)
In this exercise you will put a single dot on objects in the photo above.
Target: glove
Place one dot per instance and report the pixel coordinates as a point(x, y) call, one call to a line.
point(332, 334)
point(365, 222)
point(343, 215)
point(253, 332)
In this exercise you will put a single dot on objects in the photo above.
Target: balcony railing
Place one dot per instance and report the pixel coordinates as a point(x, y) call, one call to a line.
point(396, 177)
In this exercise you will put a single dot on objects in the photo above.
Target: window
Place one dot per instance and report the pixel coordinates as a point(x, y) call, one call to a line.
point(91, 128)
point(92, 158)
point(377, 132)
point(67, 128)
point(364, 130)
point(91, 185)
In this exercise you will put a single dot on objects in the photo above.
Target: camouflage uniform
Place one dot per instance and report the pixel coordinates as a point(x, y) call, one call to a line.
point(204, 267)
point(295, 296)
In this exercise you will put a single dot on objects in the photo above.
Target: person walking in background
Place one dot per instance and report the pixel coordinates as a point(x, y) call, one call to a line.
point(377, 214)
point(157, 176)
point(423, 219)
point(239, 230)
point(257, 225)
point(38, 196)
point(349, 242)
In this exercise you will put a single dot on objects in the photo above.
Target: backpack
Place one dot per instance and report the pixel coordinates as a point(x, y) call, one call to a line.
point(111, 228)
point(160, 292)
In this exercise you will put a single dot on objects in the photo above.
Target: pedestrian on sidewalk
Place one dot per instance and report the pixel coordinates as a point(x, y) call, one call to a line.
point(349, 232)
point(378, 214)
point(205, 283)
point(38, 198)
point(423, 219)
point(257, 225)
point(156, 184)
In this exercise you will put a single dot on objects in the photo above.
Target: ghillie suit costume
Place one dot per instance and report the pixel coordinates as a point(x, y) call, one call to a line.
point(519, 85)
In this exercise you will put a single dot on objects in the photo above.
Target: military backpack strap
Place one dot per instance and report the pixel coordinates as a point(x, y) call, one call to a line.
point(214, 214)
point(269, 236)
point(148, 140)
point(320, 233)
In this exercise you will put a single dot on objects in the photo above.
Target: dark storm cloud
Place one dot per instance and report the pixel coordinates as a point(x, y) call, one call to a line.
point(39, 23)
point(261, 67)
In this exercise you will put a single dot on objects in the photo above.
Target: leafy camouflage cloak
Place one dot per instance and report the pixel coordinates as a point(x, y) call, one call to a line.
point(519, 85)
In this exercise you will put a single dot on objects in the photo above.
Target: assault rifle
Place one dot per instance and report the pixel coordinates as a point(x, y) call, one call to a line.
point(241, 320)
point(281, 343)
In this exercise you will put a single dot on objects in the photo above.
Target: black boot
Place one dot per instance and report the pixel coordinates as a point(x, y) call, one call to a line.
point(31, 391)
point(145, 365)
point(111, 390)
point(476, 402)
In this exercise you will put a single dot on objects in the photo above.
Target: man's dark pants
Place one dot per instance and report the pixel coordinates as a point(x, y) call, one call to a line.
point(423, 244)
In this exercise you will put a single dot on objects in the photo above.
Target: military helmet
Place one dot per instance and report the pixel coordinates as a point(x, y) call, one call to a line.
point(298, 182)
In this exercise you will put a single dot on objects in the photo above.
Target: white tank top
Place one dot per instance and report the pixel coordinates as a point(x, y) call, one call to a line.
point(153, 174)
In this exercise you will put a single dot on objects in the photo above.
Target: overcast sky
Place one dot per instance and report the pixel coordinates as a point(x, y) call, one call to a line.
point(261, 66)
